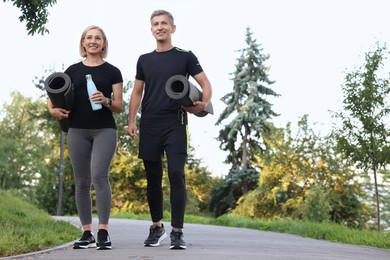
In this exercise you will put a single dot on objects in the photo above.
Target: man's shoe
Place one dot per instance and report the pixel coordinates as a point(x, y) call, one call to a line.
point(103, 241)
point(86, 241)
point(177, 241)
point(156, 235)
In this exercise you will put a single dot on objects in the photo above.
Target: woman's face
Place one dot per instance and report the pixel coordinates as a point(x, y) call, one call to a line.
point(93, 42)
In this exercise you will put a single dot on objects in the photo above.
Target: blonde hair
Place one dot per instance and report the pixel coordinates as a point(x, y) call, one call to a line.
point(83, 53)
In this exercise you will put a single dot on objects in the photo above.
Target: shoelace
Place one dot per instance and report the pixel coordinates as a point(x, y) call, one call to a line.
point(177, 235)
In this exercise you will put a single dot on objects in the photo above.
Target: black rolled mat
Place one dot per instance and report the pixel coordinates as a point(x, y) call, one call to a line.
point(60, 91)
point(181, 89)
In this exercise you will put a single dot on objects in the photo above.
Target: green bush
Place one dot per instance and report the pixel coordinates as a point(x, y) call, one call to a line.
point(316, 207)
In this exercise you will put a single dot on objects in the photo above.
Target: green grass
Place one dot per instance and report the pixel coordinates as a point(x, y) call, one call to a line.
point(24, 228)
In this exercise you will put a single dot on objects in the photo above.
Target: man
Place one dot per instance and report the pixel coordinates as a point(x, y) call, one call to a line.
point(163, 125)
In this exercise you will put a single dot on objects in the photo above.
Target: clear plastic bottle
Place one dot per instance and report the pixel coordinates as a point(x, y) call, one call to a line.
point(91, 88)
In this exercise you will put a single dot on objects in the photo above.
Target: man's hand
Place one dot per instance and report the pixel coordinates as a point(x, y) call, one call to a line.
point(196, 108)
point(132, 130)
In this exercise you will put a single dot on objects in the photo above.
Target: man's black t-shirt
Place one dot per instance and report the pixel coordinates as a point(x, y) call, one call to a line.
point(82, 115)
point(155, 69)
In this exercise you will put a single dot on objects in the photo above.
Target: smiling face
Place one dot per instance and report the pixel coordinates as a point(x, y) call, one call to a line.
point(162, 28)
point(93, 42)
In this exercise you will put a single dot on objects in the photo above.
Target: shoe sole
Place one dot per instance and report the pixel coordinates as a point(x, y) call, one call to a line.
point(178, 247)
point(104, 248)
point(85, 247)
point(163, 236)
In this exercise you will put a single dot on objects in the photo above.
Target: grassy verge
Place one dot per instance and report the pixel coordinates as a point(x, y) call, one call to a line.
point(324, 231)
point(24, 228)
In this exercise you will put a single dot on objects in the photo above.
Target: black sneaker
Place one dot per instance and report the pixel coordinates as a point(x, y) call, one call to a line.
point(156, 235)
point(86, 241)
point(177, 241)
point(103, 241)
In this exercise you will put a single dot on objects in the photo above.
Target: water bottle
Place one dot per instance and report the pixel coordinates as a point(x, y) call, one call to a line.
point(91, 87)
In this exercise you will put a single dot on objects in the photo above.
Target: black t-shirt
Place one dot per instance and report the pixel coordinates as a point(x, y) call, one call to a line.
point(155, 69)
point(82, 115)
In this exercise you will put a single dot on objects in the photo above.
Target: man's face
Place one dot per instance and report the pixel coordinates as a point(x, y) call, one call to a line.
point(162, 28)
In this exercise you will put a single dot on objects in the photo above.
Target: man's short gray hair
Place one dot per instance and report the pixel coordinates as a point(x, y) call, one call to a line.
point(162, 12)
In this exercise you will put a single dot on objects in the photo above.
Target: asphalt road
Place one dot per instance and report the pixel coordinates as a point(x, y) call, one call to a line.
point(206, 242)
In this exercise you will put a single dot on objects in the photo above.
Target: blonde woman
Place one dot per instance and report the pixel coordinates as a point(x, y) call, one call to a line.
point(92, 135)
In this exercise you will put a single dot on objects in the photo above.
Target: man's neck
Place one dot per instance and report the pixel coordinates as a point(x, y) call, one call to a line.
point(164, 46)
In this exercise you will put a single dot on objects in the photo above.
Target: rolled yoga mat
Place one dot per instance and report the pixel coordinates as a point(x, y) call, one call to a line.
point(181, 89)
point(60, 91)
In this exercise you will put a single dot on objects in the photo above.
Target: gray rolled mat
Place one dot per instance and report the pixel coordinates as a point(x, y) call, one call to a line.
point(181, 89)
point(60, 91)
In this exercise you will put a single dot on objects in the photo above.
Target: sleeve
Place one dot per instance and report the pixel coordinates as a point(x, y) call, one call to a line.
point(117, 76)
point(70, 71)
point(194, 66)
point(140, 73)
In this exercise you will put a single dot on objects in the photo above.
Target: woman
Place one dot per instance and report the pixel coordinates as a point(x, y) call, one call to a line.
point(92, 135)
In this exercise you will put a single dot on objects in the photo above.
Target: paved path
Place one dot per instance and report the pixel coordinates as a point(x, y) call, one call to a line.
point(206, 242)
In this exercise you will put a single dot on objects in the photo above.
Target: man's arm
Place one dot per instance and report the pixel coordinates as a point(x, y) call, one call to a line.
point(205, 84)
point(135, 102)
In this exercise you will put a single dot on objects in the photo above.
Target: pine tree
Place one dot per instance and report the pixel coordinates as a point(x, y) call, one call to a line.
point(250, 111)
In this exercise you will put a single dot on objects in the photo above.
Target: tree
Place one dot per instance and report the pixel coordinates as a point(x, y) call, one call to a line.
point(35, 13)
point(23, 146)
point(250, 111)
point(364, 136)
point(302, 177)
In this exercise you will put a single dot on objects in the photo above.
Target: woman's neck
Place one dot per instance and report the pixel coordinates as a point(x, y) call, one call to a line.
point(93, 61)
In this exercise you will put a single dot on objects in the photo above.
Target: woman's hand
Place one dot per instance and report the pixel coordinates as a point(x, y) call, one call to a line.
point(98, 98)
point(59, 113)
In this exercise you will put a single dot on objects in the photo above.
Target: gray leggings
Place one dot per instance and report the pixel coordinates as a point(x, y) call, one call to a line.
point(91, 152)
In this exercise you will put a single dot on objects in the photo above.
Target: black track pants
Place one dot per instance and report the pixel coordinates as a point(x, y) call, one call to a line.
point(178, 192)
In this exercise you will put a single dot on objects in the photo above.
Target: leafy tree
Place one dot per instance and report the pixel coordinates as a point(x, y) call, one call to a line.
point(302, 174)
point(199, 182)
point(35, 13)
point(47, 189)
point(128, 183)
point(364, 133)
point(22, 144)
point(249, 113)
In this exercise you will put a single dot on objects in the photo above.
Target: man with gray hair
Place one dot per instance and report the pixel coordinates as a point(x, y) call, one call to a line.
point(163, 124)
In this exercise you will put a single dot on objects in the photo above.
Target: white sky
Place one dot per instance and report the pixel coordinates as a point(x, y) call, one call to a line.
point(311, 43)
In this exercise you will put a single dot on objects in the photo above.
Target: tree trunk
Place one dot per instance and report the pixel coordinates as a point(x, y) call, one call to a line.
point(245, 184)
point(378, 215)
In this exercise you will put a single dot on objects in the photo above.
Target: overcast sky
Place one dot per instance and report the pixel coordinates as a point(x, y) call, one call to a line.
point(311, 45)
